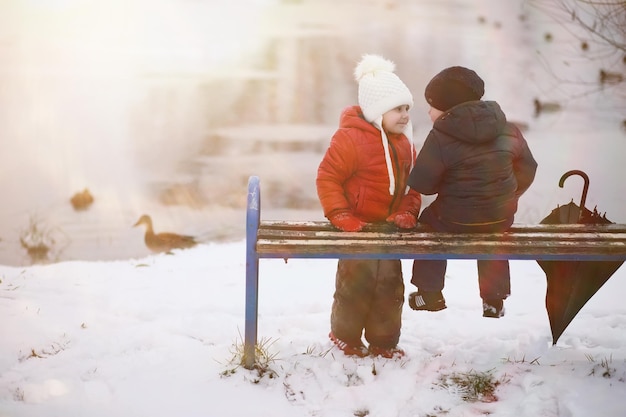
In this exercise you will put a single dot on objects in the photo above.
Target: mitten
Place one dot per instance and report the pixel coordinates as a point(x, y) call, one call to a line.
point(403, 219)
point(347, 222)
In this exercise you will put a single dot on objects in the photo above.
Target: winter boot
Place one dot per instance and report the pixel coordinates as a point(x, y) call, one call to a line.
point(389, 353)
point(427, 301)
point(493, 308)
point(351, 350)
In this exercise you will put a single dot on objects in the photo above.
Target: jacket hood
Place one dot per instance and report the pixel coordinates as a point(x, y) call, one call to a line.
point(473, 121)
point(353, 118)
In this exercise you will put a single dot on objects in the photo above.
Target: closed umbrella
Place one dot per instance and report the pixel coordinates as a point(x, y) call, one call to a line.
point(570, 284)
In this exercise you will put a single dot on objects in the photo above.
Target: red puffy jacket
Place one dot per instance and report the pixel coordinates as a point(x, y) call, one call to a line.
point(353, 176)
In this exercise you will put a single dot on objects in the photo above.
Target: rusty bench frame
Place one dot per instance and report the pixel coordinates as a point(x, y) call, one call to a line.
point(319, 239)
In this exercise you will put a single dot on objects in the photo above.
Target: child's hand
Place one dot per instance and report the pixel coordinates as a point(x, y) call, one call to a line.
point(404, 220)
point(347, 222)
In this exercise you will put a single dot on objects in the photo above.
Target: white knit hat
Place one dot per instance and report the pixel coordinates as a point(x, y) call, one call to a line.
point(380, 90)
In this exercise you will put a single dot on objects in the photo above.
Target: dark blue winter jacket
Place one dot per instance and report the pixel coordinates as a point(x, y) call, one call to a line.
point(476, 162)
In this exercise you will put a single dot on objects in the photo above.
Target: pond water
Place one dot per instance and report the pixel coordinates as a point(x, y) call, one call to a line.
point(180, 143)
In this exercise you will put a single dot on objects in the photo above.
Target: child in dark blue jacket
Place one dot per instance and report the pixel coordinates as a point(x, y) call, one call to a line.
point(479, 165)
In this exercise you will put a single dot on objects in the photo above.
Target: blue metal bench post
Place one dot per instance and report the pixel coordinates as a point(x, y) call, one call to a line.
point(253, 216)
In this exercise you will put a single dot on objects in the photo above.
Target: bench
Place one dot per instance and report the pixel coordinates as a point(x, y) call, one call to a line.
point(319, 239)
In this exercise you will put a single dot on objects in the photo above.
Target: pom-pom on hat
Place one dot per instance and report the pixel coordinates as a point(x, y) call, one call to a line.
point(380, 90)
point(453, 86)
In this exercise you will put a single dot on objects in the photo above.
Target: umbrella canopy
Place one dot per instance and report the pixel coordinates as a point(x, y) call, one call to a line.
point(570, 284)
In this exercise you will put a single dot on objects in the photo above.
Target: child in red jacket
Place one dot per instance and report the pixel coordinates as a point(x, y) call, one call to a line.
point(363, 179)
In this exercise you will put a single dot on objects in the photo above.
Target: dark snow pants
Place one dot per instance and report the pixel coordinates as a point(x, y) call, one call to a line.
point(369, 295)
point(494, 278)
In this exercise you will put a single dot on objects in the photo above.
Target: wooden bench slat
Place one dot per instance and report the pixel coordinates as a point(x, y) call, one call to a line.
point(549, 228)
point(537, 249)
point(452, 241)
point(419, 236)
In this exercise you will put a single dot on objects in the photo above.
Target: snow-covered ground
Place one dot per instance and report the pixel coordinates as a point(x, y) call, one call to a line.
point(161, 336)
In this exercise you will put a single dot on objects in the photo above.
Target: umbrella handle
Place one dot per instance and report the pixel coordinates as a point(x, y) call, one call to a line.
point(585, 187)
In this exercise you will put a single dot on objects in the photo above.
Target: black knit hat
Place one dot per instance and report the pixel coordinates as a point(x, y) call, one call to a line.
point(452, 86)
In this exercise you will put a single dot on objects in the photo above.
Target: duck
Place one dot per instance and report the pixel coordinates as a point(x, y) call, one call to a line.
point(607, 77)
point(163, 242)
point(545, 107)
point(82, 200)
